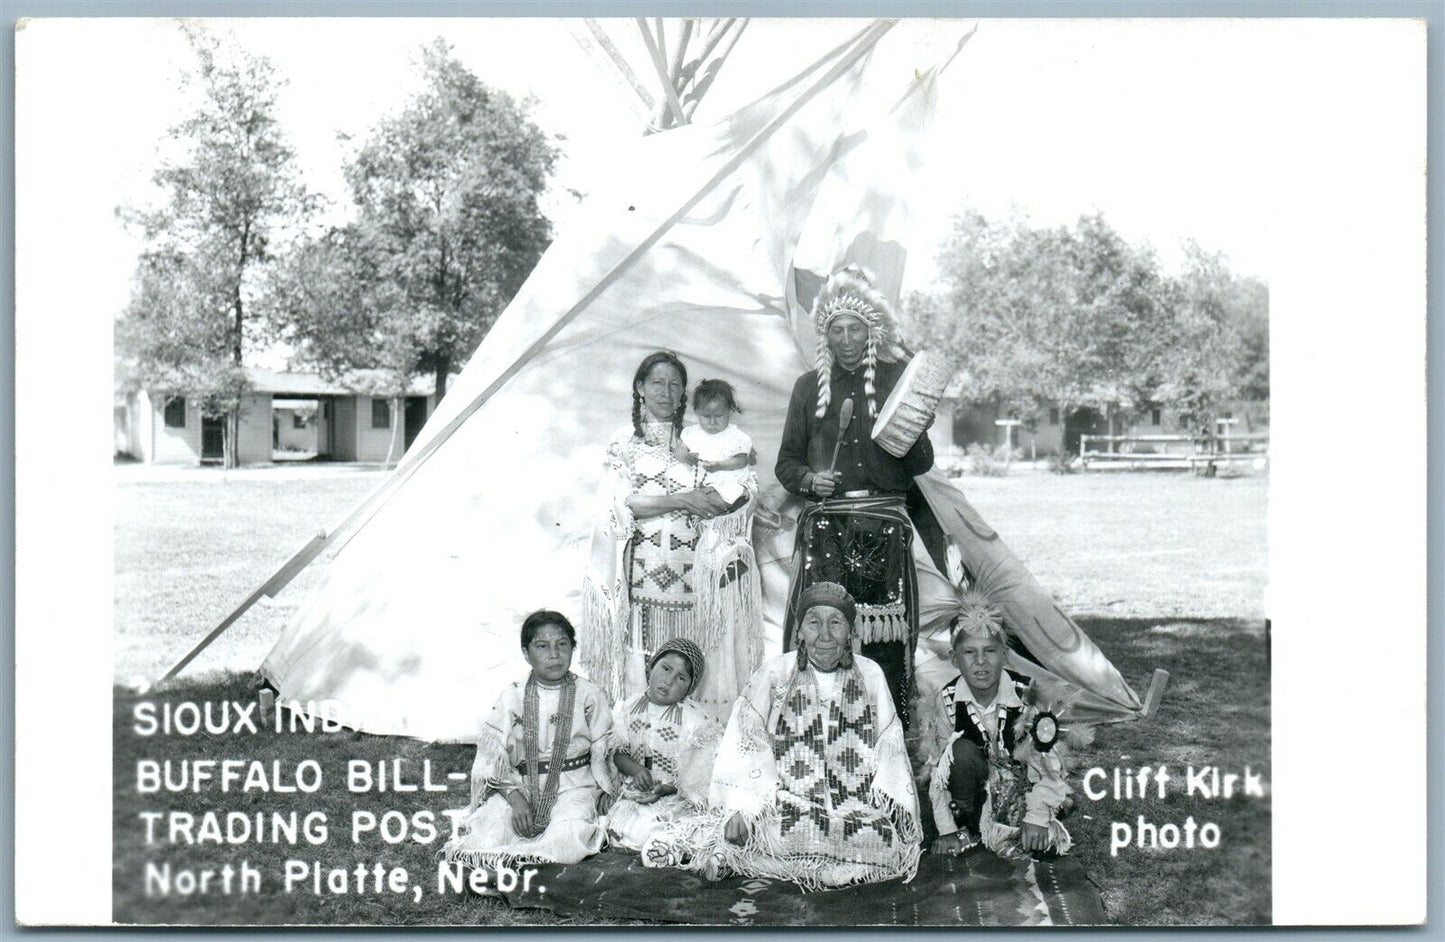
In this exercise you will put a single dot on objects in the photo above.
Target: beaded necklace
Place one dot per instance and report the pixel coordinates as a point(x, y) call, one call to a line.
point(995, 742)
point(657, 433)
point(660, 435)
point(542, 800)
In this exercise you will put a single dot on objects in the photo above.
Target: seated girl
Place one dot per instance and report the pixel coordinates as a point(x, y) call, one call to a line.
point(664, 743)
point(541, 762)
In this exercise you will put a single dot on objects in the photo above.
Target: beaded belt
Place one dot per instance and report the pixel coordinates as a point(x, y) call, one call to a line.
point(544, 766)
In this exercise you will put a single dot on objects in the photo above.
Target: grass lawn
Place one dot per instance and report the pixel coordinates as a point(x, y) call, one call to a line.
point(1160, 570)
point(190, 547)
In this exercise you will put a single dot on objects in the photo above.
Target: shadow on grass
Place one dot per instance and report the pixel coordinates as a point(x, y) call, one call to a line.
point(1215, 712)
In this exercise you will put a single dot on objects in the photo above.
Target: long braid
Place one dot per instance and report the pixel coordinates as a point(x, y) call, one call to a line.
point(678, 416)
point(850, 291)
point(868, 373)
point(824, 363)
point(637, 414)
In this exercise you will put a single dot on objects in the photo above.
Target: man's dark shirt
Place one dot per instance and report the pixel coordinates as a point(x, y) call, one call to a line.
point(808, 441)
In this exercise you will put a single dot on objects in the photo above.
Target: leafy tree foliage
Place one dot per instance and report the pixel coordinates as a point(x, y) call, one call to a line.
point(1076, 316)
point(328, 301)
point(229, 191)
point(1249, 297)
point(448, 226)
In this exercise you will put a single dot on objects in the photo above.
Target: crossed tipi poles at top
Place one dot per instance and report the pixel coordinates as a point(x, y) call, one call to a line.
point(821, 75)
point(682, 56)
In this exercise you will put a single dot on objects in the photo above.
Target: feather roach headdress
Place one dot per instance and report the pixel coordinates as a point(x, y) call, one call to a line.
point(976, 616)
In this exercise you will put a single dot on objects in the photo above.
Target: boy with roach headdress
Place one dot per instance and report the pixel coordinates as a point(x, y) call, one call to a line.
point(999, 762)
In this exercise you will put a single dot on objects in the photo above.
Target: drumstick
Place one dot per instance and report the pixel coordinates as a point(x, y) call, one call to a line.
point(845, 415)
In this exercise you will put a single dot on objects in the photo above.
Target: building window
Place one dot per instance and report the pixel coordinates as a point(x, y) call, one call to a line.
point(380, 413)
point(175, 412)
point(1154, 417)
point(1053, 415)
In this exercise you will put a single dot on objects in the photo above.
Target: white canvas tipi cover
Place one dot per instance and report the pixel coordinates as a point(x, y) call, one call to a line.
point(702, 245)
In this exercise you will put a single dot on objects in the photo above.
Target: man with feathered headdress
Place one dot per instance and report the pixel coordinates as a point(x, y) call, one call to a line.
point(859, 528)
point(998, 772)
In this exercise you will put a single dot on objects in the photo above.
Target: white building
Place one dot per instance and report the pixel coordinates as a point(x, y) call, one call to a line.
point(283, 414)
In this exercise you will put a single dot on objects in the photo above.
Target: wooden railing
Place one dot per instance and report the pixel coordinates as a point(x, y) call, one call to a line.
point(1201, 452)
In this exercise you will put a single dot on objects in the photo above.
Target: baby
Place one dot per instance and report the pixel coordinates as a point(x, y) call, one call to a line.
point(721, 448)
point(664, 745)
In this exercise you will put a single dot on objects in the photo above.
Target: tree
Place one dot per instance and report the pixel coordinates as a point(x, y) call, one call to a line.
point(1036, 316)
point(167, 337)
point(1220, 335)
point(1249, 299)
point(448, 222)
point(328, 302)
point(229, 191)
point(1076, 316)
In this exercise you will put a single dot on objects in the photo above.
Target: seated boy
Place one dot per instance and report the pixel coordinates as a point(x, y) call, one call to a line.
point(993, 778)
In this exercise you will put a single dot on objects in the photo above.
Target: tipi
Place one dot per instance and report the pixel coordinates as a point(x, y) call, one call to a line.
point(685, 63)
point(707, 243)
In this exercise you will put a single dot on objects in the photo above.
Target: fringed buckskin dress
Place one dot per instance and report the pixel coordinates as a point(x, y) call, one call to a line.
point(551, 742)
point(677, 743)
point(668, 576)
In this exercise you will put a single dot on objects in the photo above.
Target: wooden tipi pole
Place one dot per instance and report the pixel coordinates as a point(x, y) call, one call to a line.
point(845, 57)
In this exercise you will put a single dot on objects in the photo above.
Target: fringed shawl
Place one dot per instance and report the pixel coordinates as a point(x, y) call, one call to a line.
point(823, 783)
point(605, 615)
point(672, 574)
point(729, 582)
point(637, 563)
point(678, 745)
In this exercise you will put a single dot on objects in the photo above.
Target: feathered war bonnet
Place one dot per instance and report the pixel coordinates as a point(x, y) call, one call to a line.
point(849, 290)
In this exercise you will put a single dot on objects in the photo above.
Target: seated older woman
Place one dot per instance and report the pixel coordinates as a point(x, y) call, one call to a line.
point(812, 782)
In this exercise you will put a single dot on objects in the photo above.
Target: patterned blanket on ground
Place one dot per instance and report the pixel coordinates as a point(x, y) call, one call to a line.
point(976, 889)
